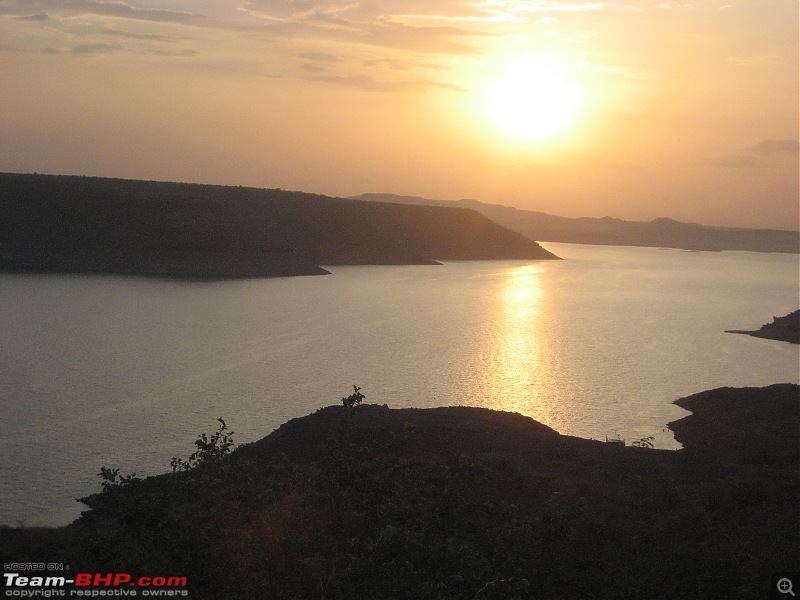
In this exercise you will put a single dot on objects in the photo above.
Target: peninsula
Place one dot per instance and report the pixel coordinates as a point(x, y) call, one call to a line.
point(60, 224)
point(783, 329)
point(369, 502)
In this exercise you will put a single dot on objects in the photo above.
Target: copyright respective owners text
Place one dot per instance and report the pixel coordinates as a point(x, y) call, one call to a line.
point(59, 580)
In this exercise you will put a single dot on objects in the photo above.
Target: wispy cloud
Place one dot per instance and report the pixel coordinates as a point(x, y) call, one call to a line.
point(40, 16)
point(97, 7)
point(88, 49)
point(370, 84)
point(294, 9)
point(732, 162)
point(502, 11)
point(538, 6)
point(777, 147)
point(397, 36)
point(762, 148)
point(137, 36)
point(320, 57)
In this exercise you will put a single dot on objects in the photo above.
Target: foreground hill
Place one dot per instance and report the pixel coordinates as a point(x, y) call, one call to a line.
point(89, 224)
point(660, 233)
point(461, 503)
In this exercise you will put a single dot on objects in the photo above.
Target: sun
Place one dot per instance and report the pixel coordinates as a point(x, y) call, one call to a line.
point(531, 100)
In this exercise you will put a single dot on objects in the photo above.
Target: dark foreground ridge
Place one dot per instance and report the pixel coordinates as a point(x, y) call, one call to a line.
point(370, 503)
point(658, 233)
point(783, 329)
point(62, 224)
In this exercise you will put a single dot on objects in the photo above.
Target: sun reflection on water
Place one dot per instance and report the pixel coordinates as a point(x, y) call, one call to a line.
point(518, 366)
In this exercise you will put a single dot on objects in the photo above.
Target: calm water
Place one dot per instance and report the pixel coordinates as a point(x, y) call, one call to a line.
point(126, 372)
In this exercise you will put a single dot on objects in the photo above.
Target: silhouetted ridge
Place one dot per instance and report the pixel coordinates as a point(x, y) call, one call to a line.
point(662, 232)
point(90, 224)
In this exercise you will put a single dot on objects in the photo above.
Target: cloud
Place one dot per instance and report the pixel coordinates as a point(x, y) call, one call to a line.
point(294, 9)
point(397, 36)
point(392, 63)
point(111, 8)
point(498, 11)
point(88, 49)
point(186, 52)
point(732, 162)
point(539, 6)
point(370, 22)
point(777, 146)
point(762, 148)
point(40, 16)
point(320, 57)
point(369, 84)
point(523, 10)
point(137, 36)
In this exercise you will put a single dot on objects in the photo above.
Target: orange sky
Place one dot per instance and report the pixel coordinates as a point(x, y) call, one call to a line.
point(685, 109)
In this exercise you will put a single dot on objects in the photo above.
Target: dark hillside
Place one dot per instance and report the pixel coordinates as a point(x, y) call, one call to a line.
point(89, 224)
point(461, 503)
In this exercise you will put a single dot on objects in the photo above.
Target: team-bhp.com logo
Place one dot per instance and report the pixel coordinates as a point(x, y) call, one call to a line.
point(91, 585)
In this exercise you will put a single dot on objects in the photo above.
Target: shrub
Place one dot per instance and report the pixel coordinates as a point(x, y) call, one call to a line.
point(353, 399)
point(112, 479)
point(209, 449)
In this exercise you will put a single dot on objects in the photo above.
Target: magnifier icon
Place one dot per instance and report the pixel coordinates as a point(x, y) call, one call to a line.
point(785, 586)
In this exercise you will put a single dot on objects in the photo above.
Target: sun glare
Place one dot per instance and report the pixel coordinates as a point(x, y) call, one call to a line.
point(531, 100)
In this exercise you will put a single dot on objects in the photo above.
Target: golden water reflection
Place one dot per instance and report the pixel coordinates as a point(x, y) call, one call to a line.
point(519, 369)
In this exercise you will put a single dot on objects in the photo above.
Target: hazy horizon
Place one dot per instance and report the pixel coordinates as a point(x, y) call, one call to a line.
point(635, 110)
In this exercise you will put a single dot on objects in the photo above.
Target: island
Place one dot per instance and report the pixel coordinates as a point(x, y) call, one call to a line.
point(369, 502)
point(783, 329)
point(71, 224)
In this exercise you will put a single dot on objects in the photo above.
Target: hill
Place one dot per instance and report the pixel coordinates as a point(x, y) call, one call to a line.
point(88, 224)
point(661, 233)
point(461, 503)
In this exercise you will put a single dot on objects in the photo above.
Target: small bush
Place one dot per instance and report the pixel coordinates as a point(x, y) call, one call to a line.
point(353, 399)
point(112, 479)
point(209, 449)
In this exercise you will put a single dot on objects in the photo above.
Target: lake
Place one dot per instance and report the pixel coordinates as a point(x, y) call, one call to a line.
point(126, 372)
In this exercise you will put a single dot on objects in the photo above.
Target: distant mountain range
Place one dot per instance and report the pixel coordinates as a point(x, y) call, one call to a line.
point(663, 233)
point(51, 223)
